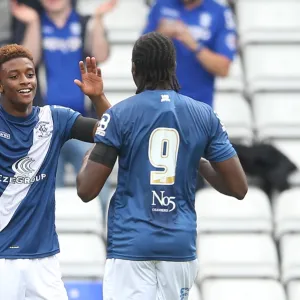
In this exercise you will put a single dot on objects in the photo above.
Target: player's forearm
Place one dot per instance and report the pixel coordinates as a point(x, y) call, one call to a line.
point(32, 39)
point(214, 63)
point(101, 104)
point(213, 178)
point(99, 43)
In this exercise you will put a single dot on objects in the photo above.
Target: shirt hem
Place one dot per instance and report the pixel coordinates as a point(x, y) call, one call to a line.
point(152, 258)
point(29, 256)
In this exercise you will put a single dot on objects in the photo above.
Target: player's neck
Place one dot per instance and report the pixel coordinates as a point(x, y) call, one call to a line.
point(162, 86)
point(193, 5)
point(16, 110)
point(60, 18)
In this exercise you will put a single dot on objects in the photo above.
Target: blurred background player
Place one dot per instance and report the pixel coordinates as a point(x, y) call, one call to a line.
point(160, 137)
point(30, 142)
point(204, 35)
point(59, 37)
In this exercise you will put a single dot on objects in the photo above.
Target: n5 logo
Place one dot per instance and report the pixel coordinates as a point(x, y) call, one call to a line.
point(164, 201)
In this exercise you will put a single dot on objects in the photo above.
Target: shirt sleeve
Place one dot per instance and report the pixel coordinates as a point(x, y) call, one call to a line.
point(108, 130)
point(65, 118)
point(226, 40)
point(219, 147)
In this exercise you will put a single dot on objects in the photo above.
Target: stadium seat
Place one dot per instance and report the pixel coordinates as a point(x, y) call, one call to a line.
point(72, 215)
point(5, 34)
point(82, 256)
point(238, 125)
point(290, 258)
point(219, 213)
point(116, 97)
point(116, 71)
point(264, 21)
point(195, 293)
point(124, 23)
point(287, 212)
point(272, 67)
point(237, 256)
point(241, 289)
point(293, 290)
point(84, 290)
point(277, 115)
point(234, 82)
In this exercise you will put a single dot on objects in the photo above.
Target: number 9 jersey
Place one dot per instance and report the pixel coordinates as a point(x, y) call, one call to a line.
point(160, 137)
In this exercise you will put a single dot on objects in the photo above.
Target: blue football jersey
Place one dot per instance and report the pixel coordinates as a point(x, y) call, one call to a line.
point(29, 151)
point(210, 24)
point(160, 136)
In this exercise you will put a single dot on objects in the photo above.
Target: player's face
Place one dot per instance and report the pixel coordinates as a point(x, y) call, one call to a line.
point(18, 81)
point(54, 6)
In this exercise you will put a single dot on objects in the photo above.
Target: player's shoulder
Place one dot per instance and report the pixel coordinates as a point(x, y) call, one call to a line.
point(122, 108)
point(195, 104)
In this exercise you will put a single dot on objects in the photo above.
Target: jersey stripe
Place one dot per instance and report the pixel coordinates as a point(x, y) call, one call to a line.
point(27, 168)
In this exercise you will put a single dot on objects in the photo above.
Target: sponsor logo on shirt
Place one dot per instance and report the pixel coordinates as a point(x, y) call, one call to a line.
point(5, 135)
point(162, 203)
point(24, 172)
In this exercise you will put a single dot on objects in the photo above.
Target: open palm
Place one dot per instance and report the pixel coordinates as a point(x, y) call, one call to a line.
point(91, 82)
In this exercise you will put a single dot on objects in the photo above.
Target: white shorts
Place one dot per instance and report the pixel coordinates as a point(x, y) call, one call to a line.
point(148, 280)
point(31, 279)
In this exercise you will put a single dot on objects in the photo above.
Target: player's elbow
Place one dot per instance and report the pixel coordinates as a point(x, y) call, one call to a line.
point(241, 191)
point(85, 193)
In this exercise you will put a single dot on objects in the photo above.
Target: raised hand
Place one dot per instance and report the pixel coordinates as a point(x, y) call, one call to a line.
point(91, 82)
point(23, 12)
point(105, 7)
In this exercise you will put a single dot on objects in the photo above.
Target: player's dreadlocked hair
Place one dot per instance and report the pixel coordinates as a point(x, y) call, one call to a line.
point(12, 51)
point(155, 61)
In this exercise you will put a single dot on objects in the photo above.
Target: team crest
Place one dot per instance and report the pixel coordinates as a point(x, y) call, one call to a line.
point(43, 129)
point(75, 28)
point(205, 20)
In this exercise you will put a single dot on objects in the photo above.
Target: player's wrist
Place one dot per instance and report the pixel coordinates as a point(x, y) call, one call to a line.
point(198, 49)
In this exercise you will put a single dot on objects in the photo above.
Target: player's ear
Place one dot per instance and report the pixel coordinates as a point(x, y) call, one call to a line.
point(1, 88)
point(133, 69)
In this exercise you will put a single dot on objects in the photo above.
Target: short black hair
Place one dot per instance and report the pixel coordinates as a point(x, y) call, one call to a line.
point(154, 57)
point(13, 51)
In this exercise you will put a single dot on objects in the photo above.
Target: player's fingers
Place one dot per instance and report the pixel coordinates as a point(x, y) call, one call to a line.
point(88, 65)
point(94, 65)
point(81, 67)
point(99, 72)
point(78, 83)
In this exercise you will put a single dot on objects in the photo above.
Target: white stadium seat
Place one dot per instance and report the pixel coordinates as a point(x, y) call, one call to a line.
point(116, 71)
point(234, 82)
point(116, 97)
point(237, 256)
point(124, 23)
point(276, 115)
point(72, 215)
point(238, 125)
point(82, 256)
point(290, 257)
point(272, 67)
point(219, 213)
point(293, 290)
point(241, 289)
point(268, 21)
point(287, 212)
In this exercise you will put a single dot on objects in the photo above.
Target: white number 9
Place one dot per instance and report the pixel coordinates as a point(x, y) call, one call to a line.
point(162, 152)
